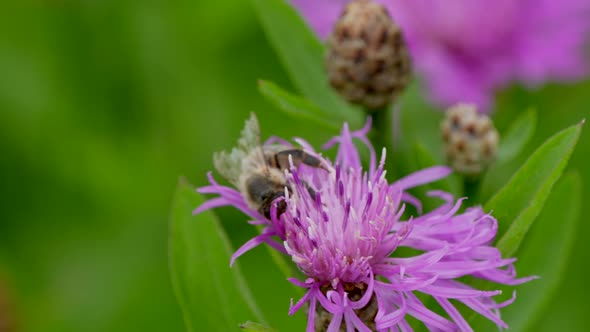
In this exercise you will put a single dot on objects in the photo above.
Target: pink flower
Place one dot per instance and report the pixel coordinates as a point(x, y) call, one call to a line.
point(347, 231)
point(467, 49)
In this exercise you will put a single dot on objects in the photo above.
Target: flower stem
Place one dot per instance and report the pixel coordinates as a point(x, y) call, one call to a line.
point(471, 187)
point(382, 136)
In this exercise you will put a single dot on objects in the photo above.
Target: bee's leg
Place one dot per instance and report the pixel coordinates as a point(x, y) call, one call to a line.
point(265, 208)
point(299, 157)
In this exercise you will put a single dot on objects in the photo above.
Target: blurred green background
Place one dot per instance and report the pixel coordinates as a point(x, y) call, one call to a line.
point(103, 104)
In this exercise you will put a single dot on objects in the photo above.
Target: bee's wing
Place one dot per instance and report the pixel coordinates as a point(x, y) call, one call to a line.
point(250, 143)
point(250, 135)
point(230, 165)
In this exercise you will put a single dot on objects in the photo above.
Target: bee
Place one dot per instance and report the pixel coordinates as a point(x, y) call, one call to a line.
point(258, 172)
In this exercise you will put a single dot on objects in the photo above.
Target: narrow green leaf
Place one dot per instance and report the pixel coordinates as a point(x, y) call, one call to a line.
point(266, 270)
point(298, 106)
point(424, 159)
point(302, 55)
point(517, 136)
point(518, 203)
point(419, 120)
point(415, 121)
point(284, 264)
point(255, 327)
point(212, 296)
point(512, 143)
point(545, 253)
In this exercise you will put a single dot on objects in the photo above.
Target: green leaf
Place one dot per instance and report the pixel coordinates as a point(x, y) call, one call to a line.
point(517, 136)
point(545, 253)
point(424, 159)
point(266, 270)
point(512, 143)
point(518, 203)
point(297, 106)
point(212, 296)
point(302, 55)
point(416, 122)
point(255, 327)
point(420, 121)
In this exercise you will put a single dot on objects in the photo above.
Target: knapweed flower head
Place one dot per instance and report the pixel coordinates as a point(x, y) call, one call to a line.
point(343, 227)
point(345, 240)
point(466, 49)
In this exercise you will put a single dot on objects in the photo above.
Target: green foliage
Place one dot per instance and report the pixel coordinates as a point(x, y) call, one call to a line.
point(105, 103)
point(302, 55)
point(255, 327)
point(517, 136)
point(512, 144)
point(299, 107)
point(519, 202)
point(425, 159)
point(546, 252)
point(212, 297)
point(418, 125)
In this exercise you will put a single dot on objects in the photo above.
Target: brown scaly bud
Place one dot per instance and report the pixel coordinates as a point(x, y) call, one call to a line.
point(471, 141)
point(367, 60)
point(355, 291)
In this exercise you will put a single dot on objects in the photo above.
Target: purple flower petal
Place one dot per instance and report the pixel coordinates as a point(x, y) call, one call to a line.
point(421, 177)
point(454, 314)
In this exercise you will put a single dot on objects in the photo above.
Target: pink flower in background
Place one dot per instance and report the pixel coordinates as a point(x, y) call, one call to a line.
point(466, 49)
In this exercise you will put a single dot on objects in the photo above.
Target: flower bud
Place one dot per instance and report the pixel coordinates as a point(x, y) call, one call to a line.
point(471, 141)
point(367, 61)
